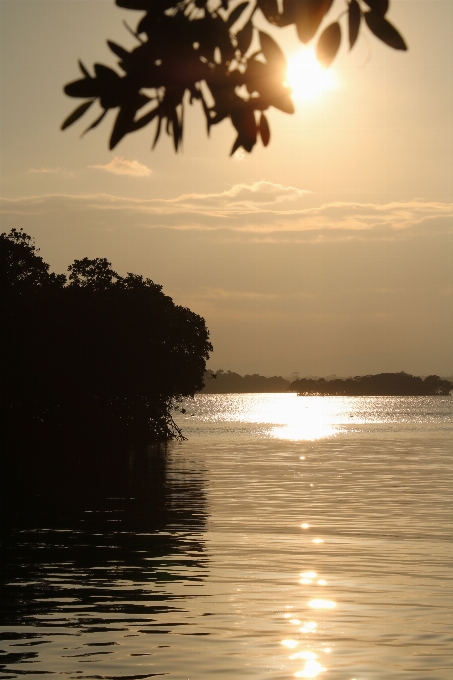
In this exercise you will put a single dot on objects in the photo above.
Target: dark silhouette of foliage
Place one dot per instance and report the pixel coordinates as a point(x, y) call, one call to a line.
point(212, 52)
point(382, 384)
point(21, 268)
point(100, 353)
point(228, 382)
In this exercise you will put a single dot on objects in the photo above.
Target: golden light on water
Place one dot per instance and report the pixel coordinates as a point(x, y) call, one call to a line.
point(306, 77)
point(312, 668)
point(308, 627)
point(286, 416)
point(290, 643)
point(322, 604)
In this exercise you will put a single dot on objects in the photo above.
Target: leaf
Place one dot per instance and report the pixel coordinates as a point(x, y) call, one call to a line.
point(328, 44)
point(85, 87)
point(118, 50)
point(270, 10)
point(237, 144)
point(76, 114)
point(379, 6)
point(265, 132)
point(283, 103)
point(175, 128)
point(354, 17)
point(308, 17)
point(244, 37)
point(207, 112)
point(122, 126)
point(244, 121)
point(84, 70)
point(271, 50)
point(133, 4)
point(158, 129)
point(104, 73)
point(144, 120)
point(95, 123)
point(236, 13)
point(384, 30)
point(288, 15)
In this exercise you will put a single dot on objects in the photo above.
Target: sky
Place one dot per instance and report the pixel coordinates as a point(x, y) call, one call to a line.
point(328, 252)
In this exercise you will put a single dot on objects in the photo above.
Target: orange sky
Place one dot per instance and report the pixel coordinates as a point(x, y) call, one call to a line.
point(328, 252)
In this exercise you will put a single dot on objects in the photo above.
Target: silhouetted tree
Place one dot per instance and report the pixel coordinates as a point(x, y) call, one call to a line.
point(212, 51)
point(382, 384)
point(21, 268)
point(228, 382)
point(102, 353)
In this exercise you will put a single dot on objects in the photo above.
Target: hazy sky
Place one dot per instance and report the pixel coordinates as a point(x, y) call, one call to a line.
point(328, 252)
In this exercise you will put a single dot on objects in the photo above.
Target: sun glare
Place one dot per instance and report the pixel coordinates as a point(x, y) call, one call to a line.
point(307, 78)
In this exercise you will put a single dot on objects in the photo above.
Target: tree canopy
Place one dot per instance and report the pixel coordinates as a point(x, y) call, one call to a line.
point(211, 51)
point(112, 352)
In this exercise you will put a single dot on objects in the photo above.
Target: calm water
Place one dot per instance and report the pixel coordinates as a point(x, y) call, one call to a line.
point(288, 537)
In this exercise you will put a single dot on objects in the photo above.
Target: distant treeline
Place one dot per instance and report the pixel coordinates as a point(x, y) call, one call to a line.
point(228, 382)
point(383, 384)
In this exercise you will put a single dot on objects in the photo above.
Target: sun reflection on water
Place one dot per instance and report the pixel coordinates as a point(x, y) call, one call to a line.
point(286, 416)
point(317, 603)
point(312, 667)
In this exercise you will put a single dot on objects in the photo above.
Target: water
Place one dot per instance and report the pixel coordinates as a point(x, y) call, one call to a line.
point(288, 537)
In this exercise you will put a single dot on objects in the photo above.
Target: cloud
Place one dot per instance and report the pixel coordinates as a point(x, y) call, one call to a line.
point(261, 211)
point(121, 166)
point(44, 170)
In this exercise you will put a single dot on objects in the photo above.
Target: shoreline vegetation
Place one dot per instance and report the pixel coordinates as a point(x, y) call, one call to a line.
point(382, 384)
point(91, 358)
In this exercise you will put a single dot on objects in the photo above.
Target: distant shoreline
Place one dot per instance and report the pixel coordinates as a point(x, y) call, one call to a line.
point(379, 385)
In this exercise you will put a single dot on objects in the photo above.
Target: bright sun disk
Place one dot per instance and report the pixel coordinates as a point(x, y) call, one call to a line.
point(306, 77)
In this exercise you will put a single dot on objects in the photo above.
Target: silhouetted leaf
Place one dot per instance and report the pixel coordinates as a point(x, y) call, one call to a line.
point(76, 114)
point(106, 74)
point(206, 110)
point(354, 17)
point(283, 103)
point(144, 120)
point(236, 13)
point(86, 87)
point(379, 6)
point(244, 37)
point(271, 50)
point(270, 10)
point(84, 70)
point(243, 119)
point(133, 4)
point(237, 144)
point(384, 30)
point(264, 130)
point(173, 117)
point(158, 129)
point(328, 44)
point(122, 126)
point(95, 123)
point(118, 50)
point(308, 17)
point(288, 15)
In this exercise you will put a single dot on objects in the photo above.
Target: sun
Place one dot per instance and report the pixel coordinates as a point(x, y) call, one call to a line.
point(306, 77)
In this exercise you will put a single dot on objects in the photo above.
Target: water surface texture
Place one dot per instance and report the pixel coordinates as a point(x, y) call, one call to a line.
point(304, 537)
